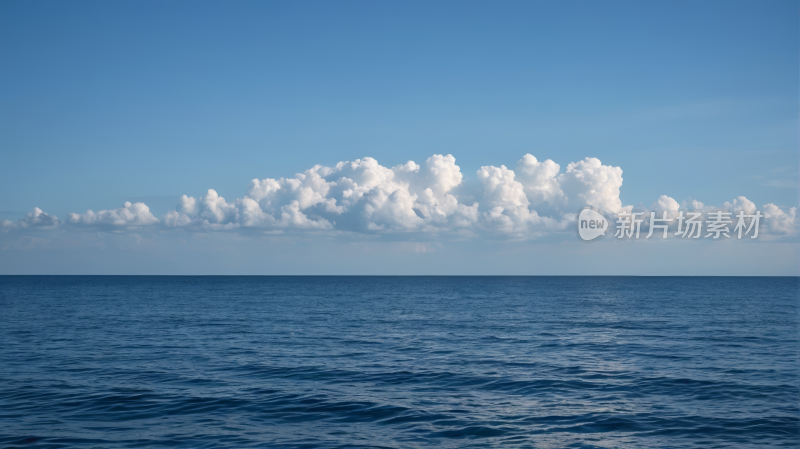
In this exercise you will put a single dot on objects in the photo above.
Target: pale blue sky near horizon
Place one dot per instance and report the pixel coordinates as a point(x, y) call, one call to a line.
point(103, 102)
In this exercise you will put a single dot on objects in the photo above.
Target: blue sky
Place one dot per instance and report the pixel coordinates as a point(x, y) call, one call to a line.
point(107, 102)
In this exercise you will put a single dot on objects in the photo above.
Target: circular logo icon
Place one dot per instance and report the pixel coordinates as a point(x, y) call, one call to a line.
point(591, 224)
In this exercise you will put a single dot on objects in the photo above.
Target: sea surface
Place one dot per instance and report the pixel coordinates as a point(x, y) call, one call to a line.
point(450, 362)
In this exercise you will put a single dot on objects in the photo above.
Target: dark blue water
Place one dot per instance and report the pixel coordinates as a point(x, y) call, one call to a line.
point(305, 362)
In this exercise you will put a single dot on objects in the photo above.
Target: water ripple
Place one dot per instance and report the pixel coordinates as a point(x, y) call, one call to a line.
point(319, 362)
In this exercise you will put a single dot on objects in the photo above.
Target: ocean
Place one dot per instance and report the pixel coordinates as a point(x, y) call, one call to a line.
point(398, 362)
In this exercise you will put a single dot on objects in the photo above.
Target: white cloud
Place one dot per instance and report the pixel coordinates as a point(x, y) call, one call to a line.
point(776, 221)
point(780, 222)
point(506, 204)
point(665, 203)
point(212, 213)
point(362, 196)
point(33, 219)
point(188, 205)
point(130, 215)
point(540, 180)
point(590, 182)
point(740, 204)
point(500, 189)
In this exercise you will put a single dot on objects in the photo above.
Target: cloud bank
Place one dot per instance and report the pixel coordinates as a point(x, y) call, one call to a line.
point(533, 199)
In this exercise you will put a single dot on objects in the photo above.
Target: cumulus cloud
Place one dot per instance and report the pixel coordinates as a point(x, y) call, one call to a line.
point(212, 213)
point(500, 189)
point(507, 204)
point(739, 204)
point(360, 196)
point(665, 203)
point(780, 222)
point(540, 180)
point(129, 215)
point(33, 219)
point(534, 198)
point(590, 182)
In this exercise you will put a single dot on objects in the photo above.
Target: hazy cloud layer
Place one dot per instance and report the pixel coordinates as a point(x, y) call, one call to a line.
point(532, 199)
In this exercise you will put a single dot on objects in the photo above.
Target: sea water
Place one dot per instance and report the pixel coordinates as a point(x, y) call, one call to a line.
point(318, 362)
